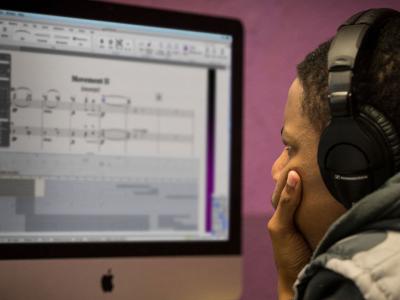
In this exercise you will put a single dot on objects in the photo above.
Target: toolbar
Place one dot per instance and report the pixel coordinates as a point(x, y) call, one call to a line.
point(106, 42)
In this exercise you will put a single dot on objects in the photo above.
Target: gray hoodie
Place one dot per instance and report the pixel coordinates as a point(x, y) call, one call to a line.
point(359, 257)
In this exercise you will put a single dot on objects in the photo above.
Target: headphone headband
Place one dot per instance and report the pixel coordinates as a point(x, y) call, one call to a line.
point(342, 57)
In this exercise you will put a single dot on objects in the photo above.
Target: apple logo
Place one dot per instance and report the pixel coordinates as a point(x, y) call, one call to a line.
point(107, 282)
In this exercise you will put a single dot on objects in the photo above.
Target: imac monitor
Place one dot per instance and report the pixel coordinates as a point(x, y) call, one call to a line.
point(120, 153)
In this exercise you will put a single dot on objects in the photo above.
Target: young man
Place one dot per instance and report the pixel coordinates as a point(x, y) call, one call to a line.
point(323, 248)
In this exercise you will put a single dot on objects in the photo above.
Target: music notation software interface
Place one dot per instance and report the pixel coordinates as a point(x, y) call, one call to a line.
point(112, 131)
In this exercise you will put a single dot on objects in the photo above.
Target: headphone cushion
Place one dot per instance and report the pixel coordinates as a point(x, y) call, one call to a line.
point(388, 130)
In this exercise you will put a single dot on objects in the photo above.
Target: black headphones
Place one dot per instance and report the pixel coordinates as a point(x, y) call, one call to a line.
point(359, 149)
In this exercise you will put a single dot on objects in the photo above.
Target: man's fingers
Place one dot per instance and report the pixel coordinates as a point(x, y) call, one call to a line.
point(278, 189)
point(289, 199)
point(291, 251)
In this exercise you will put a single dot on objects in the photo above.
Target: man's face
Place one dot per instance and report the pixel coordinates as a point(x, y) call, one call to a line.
point(318, 209)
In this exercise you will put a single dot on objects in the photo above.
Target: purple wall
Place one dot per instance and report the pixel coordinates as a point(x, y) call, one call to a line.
point(279, 33)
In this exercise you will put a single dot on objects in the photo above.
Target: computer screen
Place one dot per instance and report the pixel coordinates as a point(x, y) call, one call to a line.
point(114, 131)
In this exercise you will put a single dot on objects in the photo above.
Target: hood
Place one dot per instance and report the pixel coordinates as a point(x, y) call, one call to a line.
point(377, 211)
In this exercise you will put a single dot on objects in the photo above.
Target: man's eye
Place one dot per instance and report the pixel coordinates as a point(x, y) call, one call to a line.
point(289, 150)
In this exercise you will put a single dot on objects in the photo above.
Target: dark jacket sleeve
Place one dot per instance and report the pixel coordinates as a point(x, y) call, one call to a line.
point(328, 285)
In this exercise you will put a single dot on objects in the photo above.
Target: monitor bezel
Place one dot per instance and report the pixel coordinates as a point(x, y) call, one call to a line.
point(169, 19)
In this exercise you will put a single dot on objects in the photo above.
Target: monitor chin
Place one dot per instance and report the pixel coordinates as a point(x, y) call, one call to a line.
point(166, 278)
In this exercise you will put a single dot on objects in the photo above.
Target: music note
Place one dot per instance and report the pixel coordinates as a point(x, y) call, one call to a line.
point(52, 98)
point(28, 131)
point(86, 104)
point(72, 135)
point(22, 96)
point(14, 138)
point(93, 106)
point(44, 136)
point(72, 106)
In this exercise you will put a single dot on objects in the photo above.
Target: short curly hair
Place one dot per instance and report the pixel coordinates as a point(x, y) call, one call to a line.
point(376, 78)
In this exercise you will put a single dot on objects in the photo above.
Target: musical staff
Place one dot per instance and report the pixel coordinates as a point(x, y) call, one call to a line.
point(100, 135)
point(90, 106)
point(111, 123)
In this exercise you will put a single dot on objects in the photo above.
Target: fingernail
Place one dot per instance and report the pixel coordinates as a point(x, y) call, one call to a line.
point(292, 179)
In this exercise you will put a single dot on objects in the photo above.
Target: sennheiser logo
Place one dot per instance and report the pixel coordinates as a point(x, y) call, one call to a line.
point(350, 178)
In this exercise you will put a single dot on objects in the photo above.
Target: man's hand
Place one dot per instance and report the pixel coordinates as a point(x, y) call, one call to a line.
point(291, 251)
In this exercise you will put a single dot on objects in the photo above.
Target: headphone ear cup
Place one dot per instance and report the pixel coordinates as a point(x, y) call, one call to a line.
point(345, 153)
point(357, 155)
point(387, 129)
